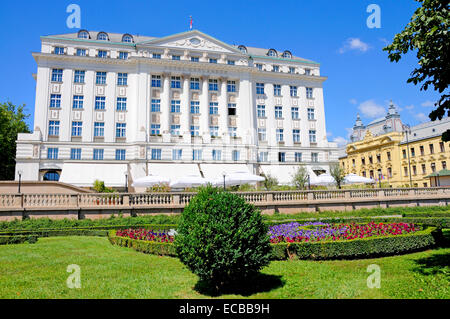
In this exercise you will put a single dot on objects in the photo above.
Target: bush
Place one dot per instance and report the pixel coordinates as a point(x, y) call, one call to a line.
point(17, 239)
point(221, 238)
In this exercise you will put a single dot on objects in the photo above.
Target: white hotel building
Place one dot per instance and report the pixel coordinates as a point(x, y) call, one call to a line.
point(116, 106)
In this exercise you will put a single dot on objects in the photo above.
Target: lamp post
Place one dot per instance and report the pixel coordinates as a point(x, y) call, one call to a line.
point(224, 174)
point(407, 130)
point(20, 178)
point(126, 182)
point(309, 182)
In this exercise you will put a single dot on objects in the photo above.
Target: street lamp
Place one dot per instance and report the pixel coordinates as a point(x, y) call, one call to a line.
point(20, 178)
point(224, 174)
point(126, 181)
point(407, 130)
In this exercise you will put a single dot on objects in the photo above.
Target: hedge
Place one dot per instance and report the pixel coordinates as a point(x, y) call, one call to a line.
point(359, 248)
point(17, 239)
point(144, 246)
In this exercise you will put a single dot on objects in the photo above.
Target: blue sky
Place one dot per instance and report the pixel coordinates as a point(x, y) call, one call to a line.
point(334, 33)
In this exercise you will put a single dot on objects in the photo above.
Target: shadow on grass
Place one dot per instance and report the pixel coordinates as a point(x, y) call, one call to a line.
point(437, 263)
point(256, 284)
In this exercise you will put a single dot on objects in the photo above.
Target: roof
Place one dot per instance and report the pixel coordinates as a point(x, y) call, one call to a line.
point(428, 130)
point(444, 172)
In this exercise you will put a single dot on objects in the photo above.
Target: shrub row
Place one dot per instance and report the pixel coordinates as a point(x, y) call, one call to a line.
point(147, 247)
point(17, 239)
point(359, 248)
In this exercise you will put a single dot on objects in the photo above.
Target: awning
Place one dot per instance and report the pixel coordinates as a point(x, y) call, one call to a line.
point(84, 174)
point(173, 171)
point(283, 173)
point(215, 171)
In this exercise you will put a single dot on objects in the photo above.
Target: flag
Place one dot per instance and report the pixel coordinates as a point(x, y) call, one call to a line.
point(190, 26)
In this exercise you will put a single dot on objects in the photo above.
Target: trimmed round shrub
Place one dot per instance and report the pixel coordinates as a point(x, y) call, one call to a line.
point(221, 238)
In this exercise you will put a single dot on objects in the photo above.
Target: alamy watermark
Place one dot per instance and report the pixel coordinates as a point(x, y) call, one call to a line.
point(74, 279)
point(374, 20)
point(74, 19)
point(374, 279)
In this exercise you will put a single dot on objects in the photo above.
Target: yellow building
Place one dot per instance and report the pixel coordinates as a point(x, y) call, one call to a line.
point(380, 151)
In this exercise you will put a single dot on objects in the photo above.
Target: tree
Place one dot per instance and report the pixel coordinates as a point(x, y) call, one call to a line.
point(300, 177)
point(338, 174)
point(270, 182)
point(427, 32)
point(12, 122)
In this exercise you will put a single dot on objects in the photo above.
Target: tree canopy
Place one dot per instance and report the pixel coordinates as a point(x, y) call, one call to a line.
point(428, 34)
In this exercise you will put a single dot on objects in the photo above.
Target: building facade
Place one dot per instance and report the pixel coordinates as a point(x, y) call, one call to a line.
point(395, 154)
point(117, 107)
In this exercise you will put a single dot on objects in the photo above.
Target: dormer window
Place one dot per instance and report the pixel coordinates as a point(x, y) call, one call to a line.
point(127, 38)
point(102, 36)
point(243, 49)
point(272, 52)
point(287, 55)
point(83, 34)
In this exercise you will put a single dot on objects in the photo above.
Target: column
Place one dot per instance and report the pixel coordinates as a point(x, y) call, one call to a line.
point(165, 105)
point(204, 107)
point(185, 107)
point(223, 108)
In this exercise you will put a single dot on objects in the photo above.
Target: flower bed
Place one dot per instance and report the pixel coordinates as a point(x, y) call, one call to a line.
point(145, 234)
point(319, 231)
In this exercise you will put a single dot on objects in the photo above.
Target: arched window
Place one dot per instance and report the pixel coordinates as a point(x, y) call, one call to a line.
point(272, 52)
point(127, 38)
point(51, 176)
point(102, 36)
point(83, 34)
point(243, 49)
point(287, 55)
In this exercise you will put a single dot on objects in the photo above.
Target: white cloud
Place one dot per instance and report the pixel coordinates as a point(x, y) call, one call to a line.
point(409, 107)
point(371, 109)
point(340, 141)
point(427, 104)
point(354, 44)
point(421, 117)
point(353, 101)
point(385, 41)
point(349, 132)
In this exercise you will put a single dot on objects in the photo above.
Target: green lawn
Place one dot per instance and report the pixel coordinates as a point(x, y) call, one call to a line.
point(39, 271)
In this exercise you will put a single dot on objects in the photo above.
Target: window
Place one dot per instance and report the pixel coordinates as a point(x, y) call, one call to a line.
point(314, 157)
point(307, 72)
point(414, 170)
point(51, 176)
point(156, 56)
point(195, 107)
point(175, 82)
point(214, 131)
point(175, 130)
point(370, 160)
point(312, 136)
point(296, 136)
point(444, 164)
point(263, 156)
point(216, 155)
point(280, 135)
point(121, 104)
point(211, 60)
point(236, 155)
point(424, 169)
point(123, 55)
point(75, 153)
point(155, 129)
point(195, 59)
point(230, 62)
point(281, 157)
point(102, 54)
point(259, 66)
point(52, 153)
point(127, 38)
point(120, 155)
point(231, 108)
point(293, 90)
point(59, 50)
point(388, 156)
point(57, 75)
point(122, 79)
point(213, 108)
point(156, 105)
point(413, 152)
point(422, 151)
point(404, 154)
point(197, 155)
point(298, 157)
point(353, 162)
point(79, 76)
point(175, 106)
point(276, 68)
point(55, 100)
point(295, 113)
point(177, 154)
point(100, 78)
point(378, 158)
point(260, 88)
point(309, 93)
point(99, 129)
point(311, 115)
point(363, 161)
point(81, 52)
point(195, 130)
point(431, 149)
point(405, 171)
point(195, 84)
point(77, 128)
point(243, 49)
point(231, 86)
point(261, 110)
point(272, 52)
point(213, 85)
point(98, 154)
point(291, 70)
point(277, 90)
point(176, 57)
point(156, 154)
point(278, 112)
point(389, 171)
point(262, 134)
point(287, 55)
point(433, 167)
point(83, 35)
point(232, 131)
point(53, 128)
point(442, 147)
point(102, 36)
point(100, 102)
point(121, 129)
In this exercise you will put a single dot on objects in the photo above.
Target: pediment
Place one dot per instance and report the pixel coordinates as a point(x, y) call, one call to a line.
point(192, 40)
